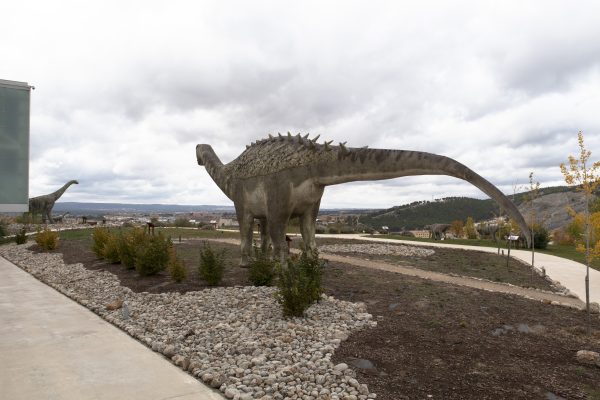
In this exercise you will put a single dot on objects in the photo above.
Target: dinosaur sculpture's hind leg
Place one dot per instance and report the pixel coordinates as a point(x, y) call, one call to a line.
point(48, 212)
point(44, 214)
point(265, 241)
point(246, 221)
point(276, 227)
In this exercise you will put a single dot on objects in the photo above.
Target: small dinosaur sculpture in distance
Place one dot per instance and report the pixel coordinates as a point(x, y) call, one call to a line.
point(486, 229)
point(437, 231)
point(44, 204)
point(281, 177)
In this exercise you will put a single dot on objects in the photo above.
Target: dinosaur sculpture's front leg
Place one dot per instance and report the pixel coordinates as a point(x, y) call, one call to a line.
point(307, 227)
point(246, 221)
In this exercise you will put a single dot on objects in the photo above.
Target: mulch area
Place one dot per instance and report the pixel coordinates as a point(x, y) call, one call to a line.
point(433, 340)
point(472, 263)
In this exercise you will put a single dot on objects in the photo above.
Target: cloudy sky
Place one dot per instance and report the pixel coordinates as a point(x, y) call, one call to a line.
point(124, 90)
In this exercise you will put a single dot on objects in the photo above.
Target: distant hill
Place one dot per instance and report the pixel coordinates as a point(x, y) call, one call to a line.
point(550, 208)
point(76, 208)
point(420, 213)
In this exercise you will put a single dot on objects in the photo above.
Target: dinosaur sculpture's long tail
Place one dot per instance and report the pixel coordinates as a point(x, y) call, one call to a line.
point(377, 164)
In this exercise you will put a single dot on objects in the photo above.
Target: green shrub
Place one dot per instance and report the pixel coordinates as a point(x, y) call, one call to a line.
point(369, 230)
point(176, 266)
point(541, 238)
point(110, 252)
point(128, 243)
point(262, 268)
point(346, 229)
point(152, 255)
point(100, 237)
point(21, 237)
point(47, 239)
point(183, 223)
point(299, 284)
point(333, 229)
point(3, 229)
point(320, 229)
point(212, 265)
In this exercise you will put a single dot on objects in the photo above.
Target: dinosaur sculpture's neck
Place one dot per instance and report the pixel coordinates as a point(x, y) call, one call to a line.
point(56, 195)
point(376, 164)
point(206, 156)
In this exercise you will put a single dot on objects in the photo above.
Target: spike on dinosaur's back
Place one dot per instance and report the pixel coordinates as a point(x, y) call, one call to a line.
point(282, 152)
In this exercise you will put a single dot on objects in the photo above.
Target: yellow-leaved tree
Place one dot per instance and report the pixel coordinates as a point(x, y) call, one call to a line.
point(470, 228)
point(584, 174)
point(457, 228)
point(534, 192)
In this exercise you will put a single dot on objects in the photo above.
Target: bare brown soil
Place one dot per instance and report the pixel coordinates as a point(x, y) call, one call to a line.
point(473, 263)
point(433, 340)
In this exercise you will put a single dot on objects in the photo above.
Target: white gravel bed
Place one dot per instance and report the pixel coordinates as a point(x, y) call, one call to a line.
point(234, 339)
point(377, 248)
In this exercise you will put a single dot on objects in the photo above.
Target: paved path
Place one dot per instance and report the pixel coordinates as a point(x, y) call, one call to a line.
point(570, 274)
point(437, 276)
point(52, 348)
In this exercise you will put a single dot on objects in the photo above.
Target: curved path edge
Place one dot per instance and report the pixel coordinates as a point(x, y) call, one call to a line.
point(445, 278)
point(569, 273)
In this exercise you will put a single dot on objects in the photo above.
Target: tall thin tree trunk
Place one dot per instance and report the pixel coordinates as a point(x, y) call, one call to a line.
point(587, 259)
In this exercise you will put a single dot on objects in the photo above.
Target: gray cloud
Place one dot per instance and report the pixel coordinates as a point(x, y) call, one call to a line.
point(125, 91)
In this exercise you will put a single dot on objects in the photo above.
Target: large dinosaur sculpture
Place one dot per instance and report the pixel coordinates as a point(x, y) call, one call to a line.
point(44, 204)
point(281, 177)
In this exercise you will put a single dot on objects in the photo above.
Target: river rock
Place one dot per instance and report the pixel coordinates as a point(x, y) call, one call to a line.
point(588, 357)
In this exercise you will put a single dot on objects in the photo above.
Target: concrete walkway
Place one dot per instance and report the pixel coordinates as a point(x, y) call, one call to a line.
point(53, 348)
point(570, 274)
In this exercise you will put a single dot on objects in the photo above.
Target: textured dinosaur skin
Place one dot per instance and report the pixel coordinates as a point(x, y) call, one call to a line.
point(44, 204)
point(282, 177)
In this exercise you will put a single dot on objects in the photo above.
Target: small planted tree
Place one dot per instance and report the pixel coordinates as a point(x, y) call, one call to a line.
point(262, 268)
point(152, 255)
point(457, 228)
point(110, 251)
point(21, 237)
point(212, 265)
point(100, 236)
point(3, 228)
point(299, 283)
point(176, 266)
point(534, 190)
point(47, 239)
point(128, 244)
point(584, 173)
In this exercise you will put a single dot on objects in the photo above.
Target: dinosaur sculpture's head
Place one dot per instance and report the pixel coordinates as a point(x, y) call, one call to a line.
point(76, 182)
point(199, 150)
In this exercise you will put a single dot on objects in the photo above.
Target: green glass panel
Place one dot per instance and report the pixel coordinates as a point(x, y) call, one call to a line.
point(14, 145)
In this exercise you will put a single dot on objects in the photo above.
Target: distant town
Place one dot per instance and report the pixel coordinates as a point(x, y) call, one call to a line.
point(448, 215)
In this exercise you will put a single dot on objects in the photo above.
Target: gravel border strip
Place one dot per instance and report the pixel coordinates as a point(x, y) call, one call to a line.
point(233, 339)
